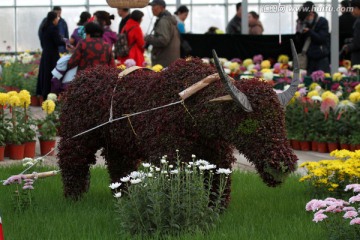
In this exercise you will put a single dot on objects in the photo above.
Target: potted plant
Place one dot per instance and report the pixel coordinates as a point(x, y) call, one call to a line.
point(2, 143)
point(47, 129)
point(29, 138)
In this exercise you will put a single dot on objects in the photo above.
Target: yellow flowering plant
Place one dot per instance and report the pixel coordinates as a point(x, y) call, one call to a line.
point(47, 127)
point(331, 176)
point(16, 133)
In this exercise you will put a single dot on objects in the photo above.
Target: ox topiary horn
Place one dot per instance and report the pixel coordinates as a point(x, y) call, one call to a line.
point(237, 95)
point(286, 96)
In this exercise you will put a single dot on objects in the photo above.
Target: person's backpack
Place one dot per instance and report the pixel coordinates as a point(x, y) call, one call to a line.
point(122, 47)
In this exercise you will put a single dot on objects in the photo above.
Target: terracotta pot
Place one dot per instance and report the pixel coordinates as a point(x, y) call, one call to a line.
point(7, 150)
point(17, 151)
point(35, 101)
point(2, 150)
point(305, 146)
point(345, 146)
point(322, 147)
point(353, 147)
point(46, 146)
point(314, 146)
point(332, 146)
point(357, 147)
point(295, 144)
point(30, 149)
point(41, 99)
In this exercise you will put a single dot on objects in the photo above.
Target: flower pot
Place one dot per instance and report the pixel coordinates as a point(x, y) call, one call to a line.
point(2, 150)
point(353, 147)
point(295, 144)
point(30, 149)
point(314, 146)
point(46, 146)
point(41, 99)
point(17, 151)
point(35, 101)
point(345, 146)
point(322, 147)
point(7, 150)
point(304, 146)
point(332, 146)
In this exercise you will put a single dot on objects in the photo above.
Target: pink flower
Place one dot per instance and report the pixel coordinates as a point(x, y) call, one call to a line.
point(352, 186)
point(277, 66)
point(347, 209)
point(319, 217)
point(318, 76)
point(257, 67)
point(258, 58)
point(308, 206)
point(130, 63)
point(350, 214)
point(330, 208)
point(355, 199)
point(315, 204)
point(30, 187)
point(355, 221)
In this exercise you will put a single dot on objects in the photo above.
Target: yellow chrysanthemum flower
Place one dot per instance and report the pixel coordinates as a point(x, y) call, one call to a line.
point(266, 70)
point(330, 95)
point(234, 66)
point(48, 106)
point(265, 64)
point(14, 101)
point(7, 64)
point(252, 71)
point(354, 97)
point(357, 88)
point(157, 68)
point(313, 93)
point(347, 64)
point(25, 98)
point(313, 86)
point(4, 99)
point(121, 67)
point(247, 62)
point(12, 93)
point(283, 59)
point(337, 76)
point(327, 75)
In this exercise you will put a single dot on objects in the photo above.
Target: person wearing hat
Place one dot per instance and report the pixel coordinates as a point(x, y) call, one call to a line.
point(313, 31)
point(164, 37)
point(354, 47)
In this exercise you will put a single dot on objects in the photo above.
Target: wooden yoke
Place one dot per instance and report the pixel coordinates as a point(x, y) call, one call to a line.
point(198, 86)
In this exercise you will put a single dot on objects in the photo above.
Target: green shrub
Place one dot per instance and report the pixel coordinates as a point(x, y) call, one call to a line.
point(169, 201)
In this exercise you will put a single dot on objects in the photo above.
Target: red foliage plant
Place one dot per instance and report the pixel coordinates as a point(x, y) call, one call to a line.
point(209, 130)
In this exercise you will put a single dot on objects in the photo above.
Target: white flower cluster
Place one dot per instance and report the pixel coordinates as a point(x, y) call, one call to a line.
point(25, 58)
point(28, 162)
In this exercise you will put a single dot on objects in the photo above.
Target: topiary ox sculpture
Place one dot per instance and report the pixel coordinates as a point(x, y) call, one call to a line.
point(206, 123)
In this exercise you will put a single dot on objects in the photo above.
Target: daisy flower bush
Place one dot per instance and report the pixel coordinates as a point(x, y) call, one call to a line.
point(331, 176)
point(340, 218)
point(170, 199)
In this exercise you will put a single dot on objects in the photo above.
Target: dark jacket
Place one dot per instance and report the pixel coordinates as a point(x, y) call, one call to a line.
point(50, 41)
point(165, 40)
point(346, 23)
point(320, 39)
point(123, 22)
point(354, 46)
point(63, 31)
point(234, 26)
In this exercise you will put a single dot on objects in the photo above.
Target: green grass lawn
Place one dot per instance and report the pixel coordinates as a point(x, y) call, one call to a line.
point(256, 211)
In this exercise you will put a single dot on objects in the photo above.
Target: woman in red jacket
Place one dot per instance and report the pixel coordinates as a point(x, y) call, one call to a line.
point(135, 38)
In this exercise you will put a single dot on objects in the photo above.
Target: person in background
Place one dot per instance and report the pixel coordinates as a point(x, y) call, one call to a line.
point(135, 38)
point(354, 47)
point(104, 19)
point(124, 13)
point(255, 26)
point(63, 28)
point(234, 26)
point(181, 14)
point(165, 38)
point(50, 40)
point(79, 32)
point(310, 24)
point(91, 51)
point(346, 23)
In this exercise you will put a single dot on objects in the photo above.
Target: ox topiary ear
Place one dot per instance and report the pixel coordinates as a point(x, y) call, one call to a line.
point(235, 93)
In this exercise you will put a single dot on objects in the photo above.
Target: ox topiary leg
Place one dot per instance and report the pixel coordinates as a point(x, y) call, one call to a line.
point(119, 165)
point(75, 159)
